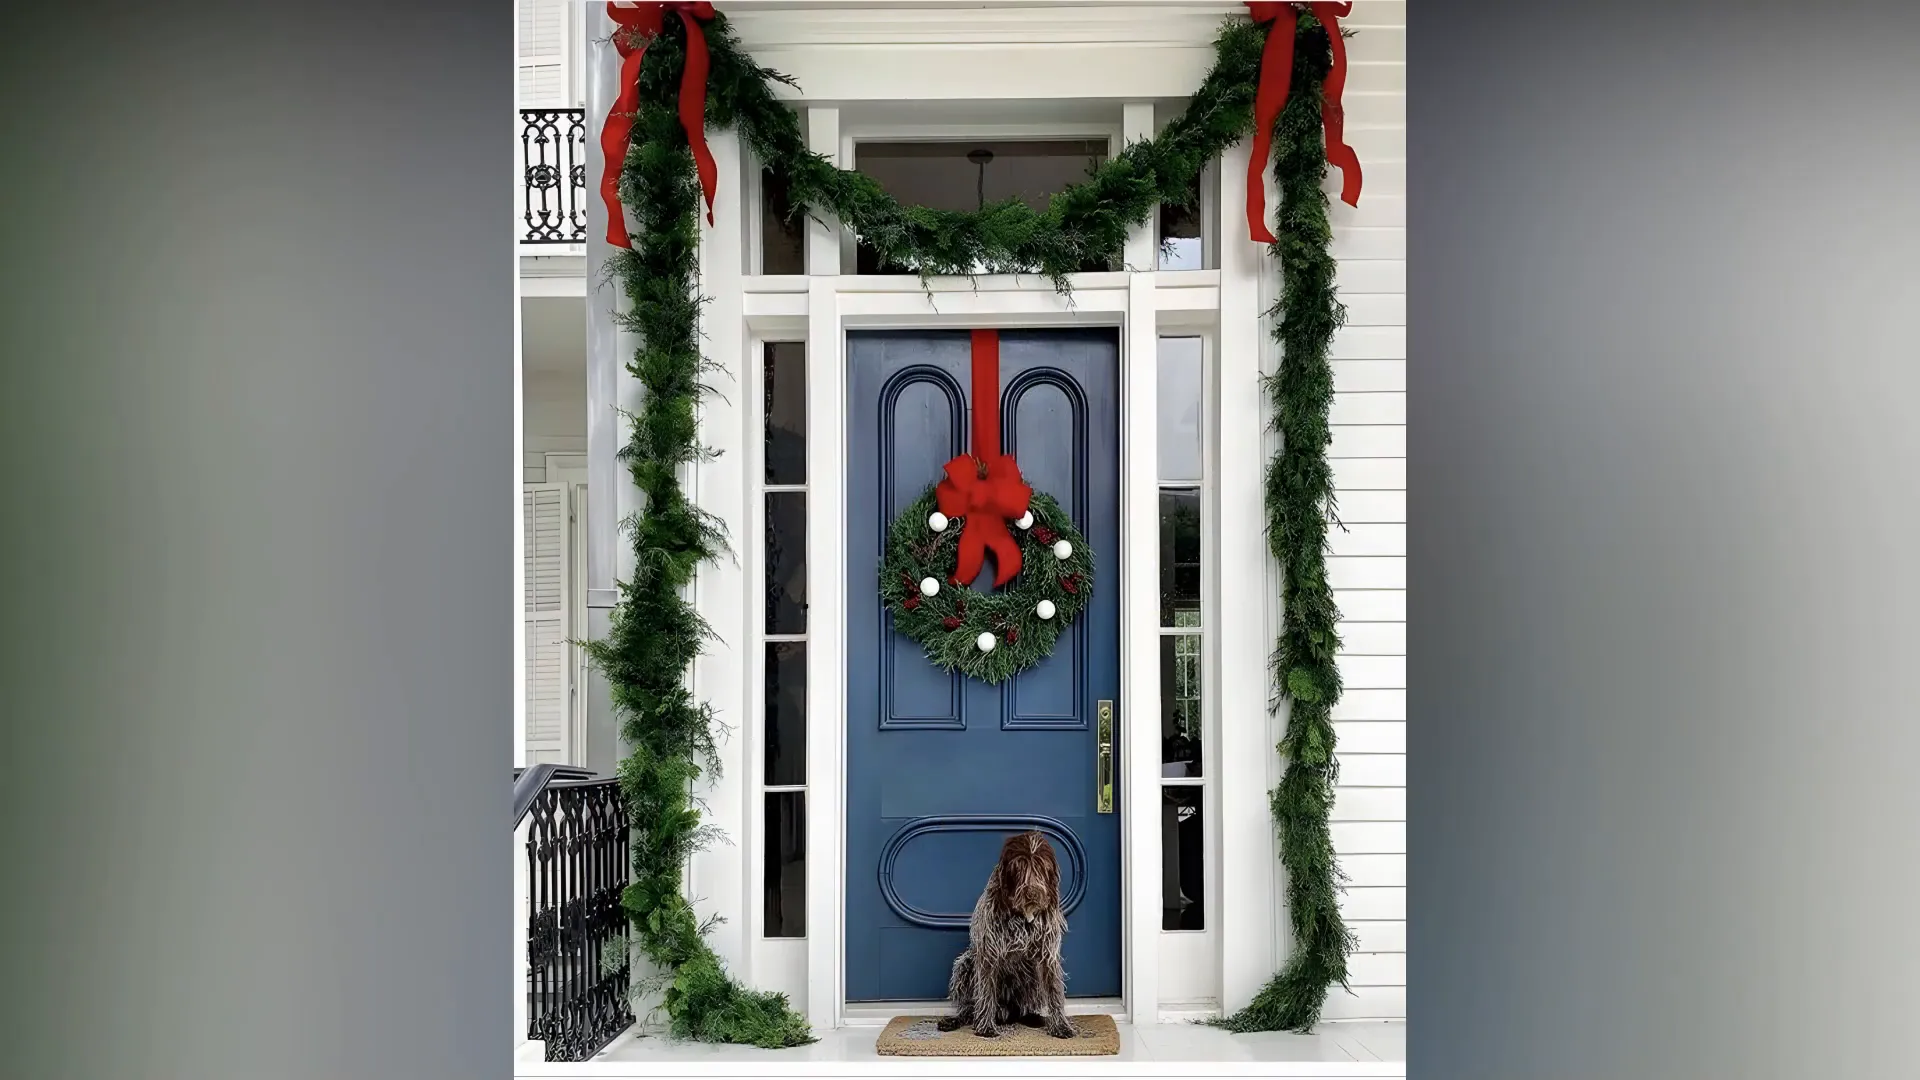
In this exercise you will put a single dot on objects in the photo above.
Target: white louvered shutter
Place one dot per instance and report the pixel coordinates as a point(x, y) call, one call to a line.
point(549, 660)
point(543, 55)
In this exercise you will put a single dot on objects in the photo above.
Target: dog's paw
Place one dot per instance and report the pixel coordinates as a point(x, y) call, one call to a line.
point(985, 1031)
point(951, 1023)
point(1062, 1030)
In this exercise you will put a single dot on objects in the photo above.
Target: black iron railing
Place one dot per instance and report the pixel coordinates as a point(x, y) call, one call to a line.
point(577, 866)
point(553, 182)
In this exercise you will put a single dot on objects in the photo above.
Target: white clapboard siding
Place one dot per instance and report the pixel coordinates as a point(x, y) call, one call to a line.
point(1368, 440)
point(1379, 935)
point(1361, 538)
point(1371, 705)
point(1376, 408)
point(1371, 605)
point(1367, 561)
point(1375, 872)
point(1373, 638)
point(1371, 736)
point(543, 54)
point(549, 656)
point(1372, 507)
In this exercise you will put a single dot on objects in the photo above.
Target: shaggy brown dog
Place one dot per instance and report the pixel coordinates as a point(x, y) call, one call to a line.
point(1011, 967)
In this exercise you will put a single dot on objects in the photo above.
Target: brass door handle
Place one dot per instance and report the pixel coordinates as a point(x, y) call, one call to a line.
point(1103, 757)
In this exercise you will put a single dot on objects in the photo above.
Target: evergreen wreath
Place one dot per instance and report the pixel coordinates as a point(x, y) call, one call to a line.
point(990, 636)
point(657, 633)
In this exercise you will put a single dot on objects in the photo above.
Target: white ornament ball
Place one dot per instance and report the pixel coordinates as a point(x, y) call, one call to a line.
point(1062, 550)
point(1044, 609)
point(937, 521)
point(984, 641)
point(929, 586)
point(1026, 520)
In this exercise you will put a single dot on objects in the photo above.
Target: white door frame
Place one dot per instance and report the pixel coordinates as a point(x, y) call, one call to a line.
point(1139, 307)
point(819, 308)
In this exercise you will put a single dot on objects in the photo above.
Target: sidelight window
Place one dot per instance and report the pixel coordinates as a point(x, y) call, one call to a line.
point(1183, 725)
point(784, 706)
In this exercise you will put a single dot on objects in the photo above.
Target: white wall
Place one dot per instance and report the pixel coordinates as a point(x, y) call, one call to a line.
point(554, 380)
point(1368, 566)
point(554, 414)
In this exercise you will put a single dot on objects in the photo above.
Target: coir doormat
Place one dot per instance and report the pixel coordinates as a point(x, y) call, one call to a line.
point(920, 1036)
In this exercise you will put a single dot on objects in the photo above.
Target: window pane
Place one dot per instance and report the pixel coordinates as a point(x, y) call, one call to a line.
point(786, 713)
point(784, 403)
point(1183, 859)
point(1180, 710)
point(965, 175)
point(786, 562)
point(1180, 410)
point(786, 865)
point(1179, 557)
point(783, 243)
point(1181, 247)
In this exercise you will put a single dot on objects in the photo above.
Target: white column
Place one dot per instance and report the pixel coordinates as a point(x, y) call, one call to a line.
point(610, 497)
point(823, 240)
point(826, 594)
point(826, 644)
point(1143, 241)
point(717, 880)
point(1140, 590)
point(1240, 645)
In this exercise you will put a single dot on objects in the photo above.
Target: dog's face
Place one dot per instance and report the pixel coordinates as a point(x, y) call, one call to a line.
point(1029, 878)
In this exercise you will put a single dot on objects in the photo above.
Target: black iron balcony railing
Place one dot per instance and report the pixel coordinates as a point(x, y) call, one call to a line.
point(553, 180)
point(578, 864)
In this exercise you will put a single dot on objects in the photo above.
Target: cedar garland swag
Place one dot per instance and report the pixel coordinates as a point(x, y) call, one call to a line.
point(656, 633)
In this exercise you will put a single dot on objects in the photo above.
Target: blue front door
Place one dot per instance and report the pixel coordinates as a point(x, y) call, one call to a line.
point(940, 768)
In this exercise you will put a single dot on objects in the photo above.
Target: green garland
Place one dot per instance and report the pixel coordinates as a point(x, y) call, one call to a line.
point(949, 622)
point(1300, 499)
point(656, 633)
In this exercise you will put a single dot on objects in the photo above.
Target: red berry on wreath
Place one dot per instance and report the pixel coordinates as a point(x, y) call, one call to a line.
point(950, 622)
point(1013, 634)
point(1045, 535)
point(911, 602)
point(1071, 583)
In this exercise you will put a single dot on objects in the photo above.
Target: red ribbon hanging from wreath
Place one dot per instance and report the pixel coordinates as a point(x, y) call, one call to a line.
point(646, 21)
point(984, 487)
point(1276, 77)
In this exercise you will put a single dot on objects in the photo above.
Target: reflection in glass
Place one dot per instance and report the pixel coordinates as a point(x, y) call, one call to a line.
point(1180, 711)
point(783, 240)
point(1182, 859)
point(786, 739)
point(784, 404)
point(1179, 557)
point(1181, 246)
point(786, 864)
point(1179, 406)
point(786, 562)
point(965, 175)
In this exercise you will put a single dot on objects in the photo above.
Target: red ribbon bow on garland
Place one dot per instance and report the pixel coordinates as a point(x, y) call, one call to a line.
point(1276, 76)
point(984, 487)
point(646, 21)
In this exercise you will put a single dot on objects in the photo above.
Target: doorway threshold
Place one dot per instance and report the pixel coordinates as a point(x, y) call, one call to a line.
point(878, 1013)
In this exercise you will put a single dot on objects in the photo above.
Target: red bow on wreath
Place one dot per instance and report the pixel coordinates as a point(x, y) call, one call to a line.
point(645, 21)
point(1276, 77)
point(984, 487)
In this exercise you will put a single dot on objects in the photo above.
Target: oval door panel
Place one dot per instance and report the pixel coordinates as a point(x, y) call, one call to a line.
point(933, 869)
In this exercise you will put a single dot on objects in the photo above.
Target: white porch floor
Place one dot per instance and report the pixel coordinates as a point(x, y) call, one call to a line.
point(1366, 1049)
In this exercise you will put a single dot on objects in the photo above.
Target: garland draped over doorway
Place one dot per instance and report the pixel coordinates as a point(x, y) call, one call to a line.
point(659, 172)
